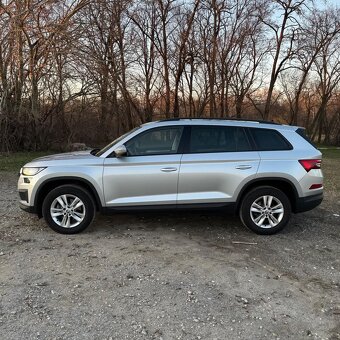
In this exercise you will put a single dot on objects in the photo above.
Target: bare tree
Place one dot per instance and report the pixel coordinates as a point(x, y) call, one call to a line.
point(91, 70)
point(285, 34)
point(327, 67)
point(181, 53)
point(318, 30)
point(247, 55)
point(144, 17)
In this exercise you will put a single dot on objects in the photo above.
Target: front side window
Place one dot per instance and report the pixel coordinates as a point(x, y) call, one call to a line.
point(209, 139)
point(160, 141)
point(116, 141)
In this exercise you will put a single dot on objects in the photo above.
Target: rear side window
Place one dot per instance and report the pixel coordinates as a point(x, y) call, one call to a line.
point(269, 140)
point(209, 139)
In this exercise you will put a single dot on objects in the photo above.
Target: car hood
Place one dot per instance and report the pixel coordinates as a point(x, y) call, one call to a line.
point(66, 156)
point(76, 158)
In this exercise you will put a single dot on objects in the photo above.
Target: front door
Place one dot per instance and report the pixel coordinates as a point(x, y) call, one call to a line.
point(148, 174)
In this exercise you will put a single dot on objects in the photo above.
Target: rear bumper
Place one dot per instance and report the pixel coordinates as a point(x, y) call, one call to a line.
point(308, 202)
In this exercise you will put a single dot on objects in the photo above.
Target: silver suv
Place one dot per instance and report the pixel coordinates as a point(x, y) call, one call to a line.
point(260, 170)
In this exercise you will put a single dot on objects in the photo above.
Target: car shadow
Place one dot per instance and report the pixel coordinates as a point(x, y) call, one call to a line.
point(201, 222)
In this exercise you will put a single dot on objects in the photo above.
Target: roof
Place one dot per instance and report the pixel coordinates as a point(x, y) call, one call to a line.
point(222, 122)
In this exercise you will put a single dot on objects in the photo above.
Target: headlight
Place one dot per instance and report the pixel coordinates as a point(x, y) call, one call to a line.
point(31, 171)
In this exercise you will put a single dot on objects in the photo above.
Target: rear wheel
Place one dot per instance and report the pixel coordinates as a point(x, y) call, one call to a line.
point(68, 209)
point(265, 210)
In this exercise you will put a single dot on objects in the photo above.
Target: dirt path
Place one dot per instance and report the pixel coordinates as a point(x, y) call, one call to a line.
point(173, 276)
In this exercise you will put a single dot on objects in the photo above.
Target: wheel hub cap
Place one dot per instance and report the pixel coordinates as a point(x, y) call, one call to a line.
point(267, 211)
point(68, 211)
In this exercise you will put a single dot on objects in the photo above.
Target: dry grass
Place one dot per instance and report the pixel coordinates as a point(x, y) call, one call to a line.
point(331, 170)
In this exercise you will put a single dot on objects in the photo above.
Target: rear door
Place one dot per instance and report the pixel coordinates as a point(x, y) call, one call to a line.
point(217, 162)
point(148, 174)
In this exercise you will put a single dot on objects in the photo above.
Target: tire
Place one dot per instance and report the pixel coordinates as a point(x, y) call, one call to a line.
point(70, 218)
point(257, 214)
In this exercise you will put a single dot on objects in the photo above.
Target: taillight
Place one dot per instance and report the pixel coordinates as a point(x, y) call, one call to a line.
point(310, 164)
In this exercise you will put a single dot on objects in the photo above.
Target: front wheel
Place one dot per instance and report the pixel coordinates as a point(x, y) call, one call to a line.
point(68, 209)
point(265, 210)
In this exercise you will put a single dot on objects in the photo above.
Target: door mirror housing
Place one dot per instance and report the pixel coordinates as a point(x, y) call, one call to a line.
point(120, 151)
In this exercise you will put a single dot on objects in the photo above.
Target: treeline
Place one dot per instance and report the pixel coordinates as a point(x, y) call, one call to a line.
point(88, 70)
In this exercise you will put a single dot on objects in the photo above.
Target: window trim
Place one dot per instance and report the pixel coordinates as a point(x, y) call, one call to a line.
point(301, 132)
point(188, 144)
point(256, 147)
point(180, 145)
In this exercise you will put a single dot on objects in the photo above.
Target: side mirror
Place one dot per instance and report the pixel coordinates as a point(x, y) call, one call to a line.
point(120, 151)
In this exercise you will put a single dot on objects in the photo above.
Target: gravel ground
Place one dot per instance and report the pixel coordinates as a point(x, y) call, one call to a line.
point(168, 276)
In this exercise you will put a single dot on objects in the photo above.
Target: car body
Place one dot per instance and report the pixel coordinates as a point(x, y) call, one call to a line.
point(182, 164)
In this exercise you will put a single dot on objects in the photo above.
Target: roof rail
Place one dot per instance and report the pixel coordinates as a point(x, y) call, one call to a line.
point(225, 119)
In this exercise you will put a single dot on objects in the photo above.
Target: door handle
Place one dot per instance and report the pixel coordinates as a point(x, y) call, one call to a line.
point(168, 169)
point(243, 167)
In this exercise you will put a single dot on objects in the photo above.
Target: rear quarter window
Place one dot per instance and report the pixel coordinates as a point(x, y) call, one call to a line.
point(269, 140)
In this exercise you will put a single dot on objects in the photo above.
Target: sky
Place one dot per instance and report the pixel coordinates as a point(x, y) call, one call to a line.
point(330, 2)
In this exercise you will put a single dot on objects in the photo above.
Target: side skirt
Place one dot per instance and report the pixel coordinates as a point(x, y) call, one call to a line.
point(222, 207)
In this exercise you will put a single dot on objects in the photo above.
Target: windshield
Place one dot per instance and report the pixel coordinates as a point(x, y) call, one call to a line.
point(109, 146)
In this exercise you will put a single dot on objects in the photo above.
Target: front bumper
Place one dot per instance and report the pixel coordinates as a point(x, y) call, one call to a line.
point(23, 193)
point(27, 208)
point(25, 189)
point(24, 201)
point(308, 202)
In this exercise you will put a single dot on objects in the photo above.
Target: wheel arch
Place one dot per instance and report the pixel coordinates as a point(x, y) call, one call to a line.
point(53, 183)
point(283, 184)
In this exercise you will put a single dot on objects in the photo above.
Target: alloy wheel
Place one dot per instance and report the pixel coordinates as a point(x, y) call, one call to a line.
point(68, 211)
point(267, 211)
